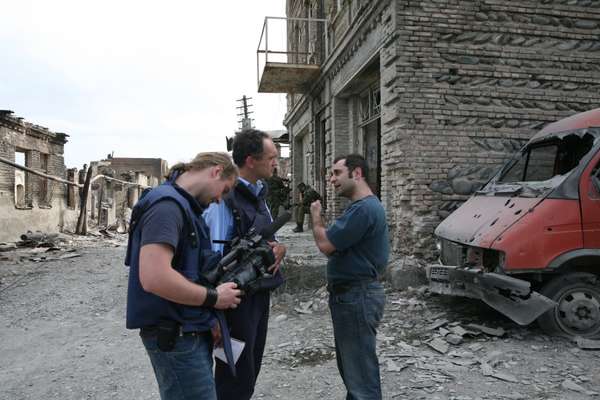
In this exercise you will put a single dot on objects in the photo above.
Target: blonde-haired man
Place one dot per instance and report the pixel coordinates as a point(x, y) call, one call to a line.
point(169, 249)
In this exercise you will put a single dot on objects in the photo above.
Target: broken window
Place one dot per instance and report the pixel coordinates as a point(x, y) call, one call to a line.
point(21, 191)
point(44, 195)
point(71, 203)
point(370, 104)
point(543, 161)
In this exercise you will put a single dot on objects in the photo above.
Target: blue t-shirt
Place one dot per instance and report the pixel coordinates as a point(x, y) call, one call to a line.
point(162, 223)
point(361, 239)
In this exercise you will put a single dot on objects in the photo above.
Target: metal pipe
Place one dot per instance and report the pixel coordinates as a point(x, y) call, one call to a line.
point(34, 172)
point(299, 19)
point(267, 43)
point(61, 180)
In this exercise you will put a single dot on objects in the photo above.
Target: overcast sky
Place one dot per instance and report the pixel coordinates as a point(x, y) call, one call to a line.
point(140, 78)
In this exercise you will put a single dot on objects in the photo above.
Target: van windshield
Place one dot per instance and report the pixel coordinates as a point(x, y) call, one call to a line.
point(541, 166)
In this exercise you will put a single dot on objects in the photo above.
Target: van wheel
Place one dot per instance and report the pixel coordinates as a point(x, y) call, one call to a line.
point(578, 306)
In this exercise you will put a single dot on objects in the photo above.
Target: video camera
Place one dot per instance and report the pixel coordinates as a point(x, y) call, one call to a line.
point(249, 257)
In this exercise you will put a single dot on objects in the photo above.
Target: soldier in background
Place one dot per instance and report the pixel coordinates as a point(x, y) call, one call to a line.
point(277, 193)
point(308, 195)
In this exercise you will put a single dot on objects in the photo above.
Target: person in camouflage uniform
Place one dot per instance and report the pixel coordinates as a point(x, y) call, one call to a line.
point(308, 195)
point(277, 193)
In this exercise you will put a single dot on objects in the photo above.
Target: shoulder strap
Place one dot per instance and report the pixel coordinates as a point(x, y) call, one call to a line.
point(189, 227)
point(237, 219)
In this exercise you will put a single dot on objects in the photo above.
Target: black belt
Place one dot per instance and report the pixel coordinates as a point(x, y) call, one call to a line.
point(343, 287)
point(152, 331)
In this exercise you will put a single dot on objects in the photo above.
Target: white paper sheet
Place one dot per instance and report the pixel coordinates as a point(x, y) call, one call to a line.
point(237, 346)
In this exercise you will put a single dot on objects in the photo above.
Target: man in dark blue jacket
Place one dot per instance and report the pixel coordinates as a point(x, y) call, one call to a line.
point(242, 209)
point(169, 249)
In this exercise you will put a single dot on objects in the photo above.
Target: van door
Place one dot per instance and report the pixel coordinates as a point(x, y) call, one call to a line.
point(589, 194)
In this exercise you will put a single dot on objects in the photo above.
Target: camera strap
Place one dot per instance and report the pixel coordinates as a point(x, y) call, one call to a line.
point(226, 340)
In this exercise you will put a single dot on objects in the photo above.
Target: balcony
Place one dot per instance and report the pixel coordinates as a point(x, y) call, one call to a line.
point(290, 52)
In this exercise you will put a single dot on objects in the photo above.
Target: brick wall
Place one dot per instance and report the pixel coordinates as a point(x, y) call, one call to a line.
point(464, 84)
point(467, 83)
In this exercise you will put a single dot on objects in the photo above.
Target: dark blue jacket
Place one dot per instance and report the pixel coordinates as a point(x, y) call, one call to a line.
point(250, 211)
point(193, 256)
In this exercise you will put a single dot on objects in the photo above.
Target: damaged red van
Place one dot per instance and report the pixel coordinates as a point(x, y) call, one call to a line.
point(528, 242)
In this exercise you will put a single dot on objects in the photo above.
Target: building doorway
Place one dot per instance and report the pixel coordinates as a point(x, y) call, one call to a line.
point(370, 131)
point(321, 177)
point(372, 153)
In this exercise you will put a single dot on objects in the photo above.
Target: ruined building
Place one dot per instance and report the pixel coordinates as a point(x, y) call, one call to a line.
point(29, 202)
point(282, 142)
point(436, 94)
point(110, 202)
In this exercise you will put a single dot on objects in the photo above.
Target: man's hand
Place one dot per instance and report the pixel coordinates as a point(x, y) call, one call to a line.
point(279, 251)
point(315, 208)
point(216, 335)
point(229, 296)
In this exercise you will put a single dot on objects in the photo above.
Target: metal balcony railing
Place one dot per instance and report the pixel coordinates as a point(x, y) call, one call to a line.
point(290, 52)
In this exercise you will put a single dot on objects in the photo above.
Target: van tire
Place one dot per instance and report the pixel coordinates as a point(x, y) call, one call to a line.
point(578, 310)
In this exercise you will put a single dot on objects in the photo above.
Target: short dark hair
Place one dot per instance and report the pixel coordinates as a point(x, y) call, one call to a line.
point(246, 143)
point(353, 161)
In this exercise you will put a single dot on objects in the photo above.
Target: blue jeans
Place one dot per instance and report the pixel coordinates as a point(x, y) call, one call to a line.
point(356, 315)
point(185, 373)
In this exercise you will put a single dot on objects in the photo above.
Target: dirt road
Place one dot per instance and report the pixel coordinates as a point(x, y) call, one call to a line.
point(63, 337)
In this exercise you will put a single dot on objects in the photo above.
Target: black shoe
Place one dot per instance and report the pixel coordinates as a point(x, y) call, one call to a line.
point(298, 229)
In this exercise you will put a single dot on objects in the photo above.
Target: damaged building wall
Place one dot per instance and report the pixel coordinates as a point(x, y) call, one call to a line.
point(437, 95)
point(110, 202)
point(29, 202)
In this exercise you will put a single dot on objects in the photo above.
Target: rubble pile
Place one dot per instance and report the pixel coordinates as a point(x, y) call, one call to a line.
point(429, 348)
point(45, 247)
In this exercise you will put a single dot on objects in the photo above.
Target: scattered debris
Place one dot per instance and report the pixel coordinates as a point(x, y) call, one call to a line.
point(7, 247)
point(391, 366)
point(454, 339)
point(280, 317)
point(437, 324)
point(571, 385)
point(499, 332)
point(587, 344)
point(439, 345)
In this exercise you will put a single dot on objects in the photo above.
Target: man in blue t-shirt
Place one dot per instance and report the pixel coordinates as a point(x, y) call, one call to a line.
point(169, 250)
point(357, 246)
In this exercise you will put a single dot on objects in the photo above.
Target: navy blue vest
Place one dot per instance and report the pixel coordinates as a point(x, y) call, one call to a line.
point(193, 256)
point(250, 211)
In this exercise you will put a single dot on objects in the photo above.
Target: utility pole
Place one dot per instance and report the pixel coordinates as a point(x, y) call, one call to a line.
point(246, 121)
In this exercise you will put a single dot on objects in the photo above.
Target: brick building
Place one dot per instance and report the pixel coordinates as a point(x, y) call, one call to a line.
point(29, 202)
point(111, 201)
point(436, 94)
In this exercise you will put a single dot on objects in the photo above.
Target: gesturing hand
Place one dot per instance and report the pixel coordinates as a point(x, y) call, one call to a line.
point(279, 251)
point(315, 208)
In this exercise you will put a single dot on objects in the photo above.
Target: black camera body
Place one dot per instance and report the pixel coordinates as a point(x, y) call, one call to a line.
point(249, 258)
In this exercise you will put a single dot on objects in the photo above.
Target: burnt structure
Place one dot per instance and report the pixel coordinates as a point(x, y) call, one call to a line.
point(29, 202)
point(111, 201)
point(436, 94)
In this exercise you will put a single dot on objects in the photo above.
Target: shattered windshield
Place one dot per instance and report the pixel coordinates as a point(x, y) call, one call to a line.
point(541, 166)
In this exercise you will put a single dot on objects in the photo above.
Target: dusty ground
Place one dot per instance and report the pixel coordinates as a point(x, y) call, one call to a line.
point(63, 337)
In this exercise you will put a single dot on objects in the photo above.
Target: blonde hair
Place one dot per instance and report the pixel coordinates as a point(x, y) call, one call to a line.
point(207, 160)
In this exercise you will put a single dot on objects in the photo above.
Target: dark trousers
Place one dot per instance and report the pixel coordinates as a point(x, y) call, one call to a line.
point(300, 212)
point(248, 323)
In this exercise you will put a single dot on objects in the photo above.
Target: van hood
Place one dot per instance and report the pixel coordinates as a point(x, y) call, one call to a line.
point(483, 218)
